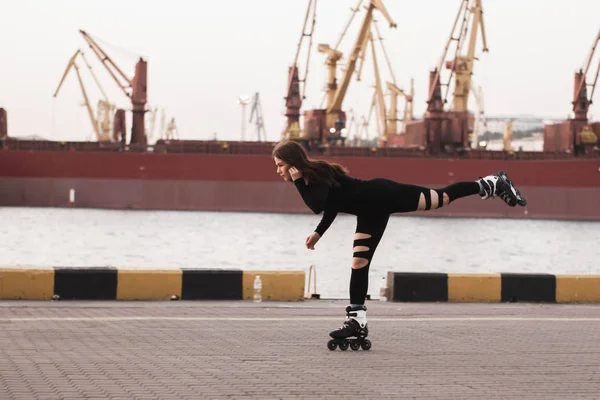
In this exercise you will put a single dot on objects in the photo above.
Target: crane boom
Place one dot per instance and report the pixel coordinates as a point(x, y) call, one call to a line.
point(379, 91)
point(340, 93)
point(354, 11)
point(73, 64)
point(294, 96)
point(435, 87)
point(463, 65)
point(69, 66)
point(137, 85)
point(257, 110)
point(597, 69)
point(104, 58)
point(88, 105)
point(581, 101)
point(362, 54)
point(95, 77)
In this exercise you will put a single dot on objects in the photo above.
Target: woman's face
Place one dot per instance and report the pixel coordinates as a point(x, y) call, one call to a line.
point(283, 169)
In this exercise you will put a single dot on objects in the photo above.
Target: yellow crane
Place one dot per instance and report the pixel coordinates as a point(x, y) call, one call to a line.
point(335, 104)
point(105, 112)
point(462, 65)
point(390, 119)
point(333, 56)
point(105, 109)
point(379, 94)
point(329, 123)
point(407, 115)
point(102, 130)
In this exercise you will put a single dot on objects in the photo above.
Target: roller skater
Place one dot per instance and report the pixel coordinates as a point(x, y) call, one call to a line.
point(326, 188)
point(354, 331)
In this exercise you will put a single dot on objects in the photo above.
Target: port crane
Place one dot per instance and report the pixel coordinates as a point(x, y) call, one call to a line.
point(451, 128)
point(577, 135)
point(169, 132)
point(100, 121)
point(294, 95)
point(388, 120)
point(136, 89)
point(326, 124)
point(256, 112)
point(581, 101)
point(407, 114)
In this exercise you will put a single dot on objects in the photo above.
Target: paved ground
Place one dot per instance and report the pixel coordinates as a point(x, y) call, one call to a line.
point(241, 350)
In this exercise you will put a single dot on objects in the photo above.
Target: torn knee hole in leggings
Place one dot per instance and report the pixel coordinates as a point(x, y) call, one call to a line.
point(359, 262)
point(362, 252)
point(433, 199)
point(359, 249)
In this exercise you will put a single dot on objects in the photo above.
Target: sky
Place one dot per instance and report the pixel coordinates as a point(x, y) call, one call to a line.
point(203, 55)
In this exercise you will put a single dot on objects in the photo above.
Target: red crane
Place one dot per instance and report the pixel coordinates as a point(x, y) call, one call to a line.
point(136, 89)
point(577, 135)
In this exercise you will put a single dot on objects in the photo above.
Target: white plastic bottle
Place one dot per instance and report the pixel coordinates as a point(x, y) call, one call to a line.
point(257, 289)
point(383, 290)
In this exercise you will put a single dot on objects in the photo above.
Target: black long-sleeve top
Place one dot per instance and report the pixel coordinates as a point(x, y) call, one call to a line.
point(354, 196)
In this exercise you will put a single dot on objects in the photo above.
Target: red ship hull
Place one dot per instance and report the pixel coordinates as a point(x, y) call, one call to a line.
point(566, 189)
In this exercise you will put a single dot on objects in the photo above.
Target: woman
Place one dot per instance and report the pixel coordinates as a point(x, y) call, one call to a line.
point(326, 187)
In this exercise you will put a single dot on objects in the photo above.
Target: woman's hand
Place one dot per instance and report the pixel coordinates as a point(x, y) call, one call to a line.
point(311, 240)
point(294, 173)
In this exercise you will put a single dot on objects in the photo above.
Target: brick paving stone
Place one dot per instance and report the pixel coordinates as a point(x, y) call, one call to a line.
point(276, 350)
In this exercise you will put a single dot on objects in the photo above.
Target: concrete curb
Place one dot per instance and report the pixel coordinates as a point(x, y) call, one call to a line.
point(108, 283)
point(490, 288)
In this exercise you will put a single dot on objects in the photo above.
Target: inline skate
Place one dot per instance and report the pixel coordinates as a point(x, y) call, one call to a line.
point(353, 332)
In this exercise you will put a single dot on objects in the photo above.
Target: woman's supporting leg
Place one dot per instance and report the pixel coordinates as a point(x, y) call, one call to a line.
point(369, 231)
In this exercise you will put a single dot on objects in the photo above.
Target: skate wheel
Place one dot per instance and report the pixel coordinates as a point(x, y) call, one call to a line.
point(366, 345)
point(344, 346)
point(355, 346)
point(331, 345)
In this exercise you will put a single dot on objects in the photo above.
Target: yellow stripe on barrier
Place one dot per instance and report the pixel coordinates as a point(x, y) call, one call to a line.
point(148, 285)
point(26, 284)
point(276, 285)
point(474, 287)
point(578, 288)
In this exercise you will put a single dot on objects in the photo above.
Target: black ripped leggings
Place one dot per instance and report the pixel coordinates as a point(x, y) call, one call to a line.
point(406, 199)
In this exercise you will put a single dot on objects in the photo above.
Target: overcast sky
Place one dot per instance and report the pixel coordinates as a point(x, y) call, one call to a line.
point(202, 55)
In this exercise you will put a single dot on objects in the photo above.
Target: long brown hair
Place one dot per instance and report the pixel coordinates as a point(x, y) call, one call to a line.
point(293, 153)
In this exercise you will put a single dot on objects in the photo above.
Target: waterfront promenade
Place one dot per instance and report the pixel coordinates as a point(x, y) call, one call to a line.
point(277, 350)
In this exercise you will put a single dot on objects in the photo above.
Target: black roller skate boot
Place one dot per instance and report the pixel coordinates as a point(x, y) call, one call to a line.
point(499, 185)
point(354, 331)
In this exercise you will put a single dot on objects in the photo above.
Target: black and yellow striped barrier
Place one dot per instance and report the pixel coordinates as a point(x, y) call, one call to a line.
point(106, 283)
point(490, 288)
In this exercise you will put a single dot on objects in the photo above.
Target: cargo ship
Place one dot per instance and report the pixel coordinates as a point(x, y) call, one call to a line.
point(560, 182)
point(240, 176)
